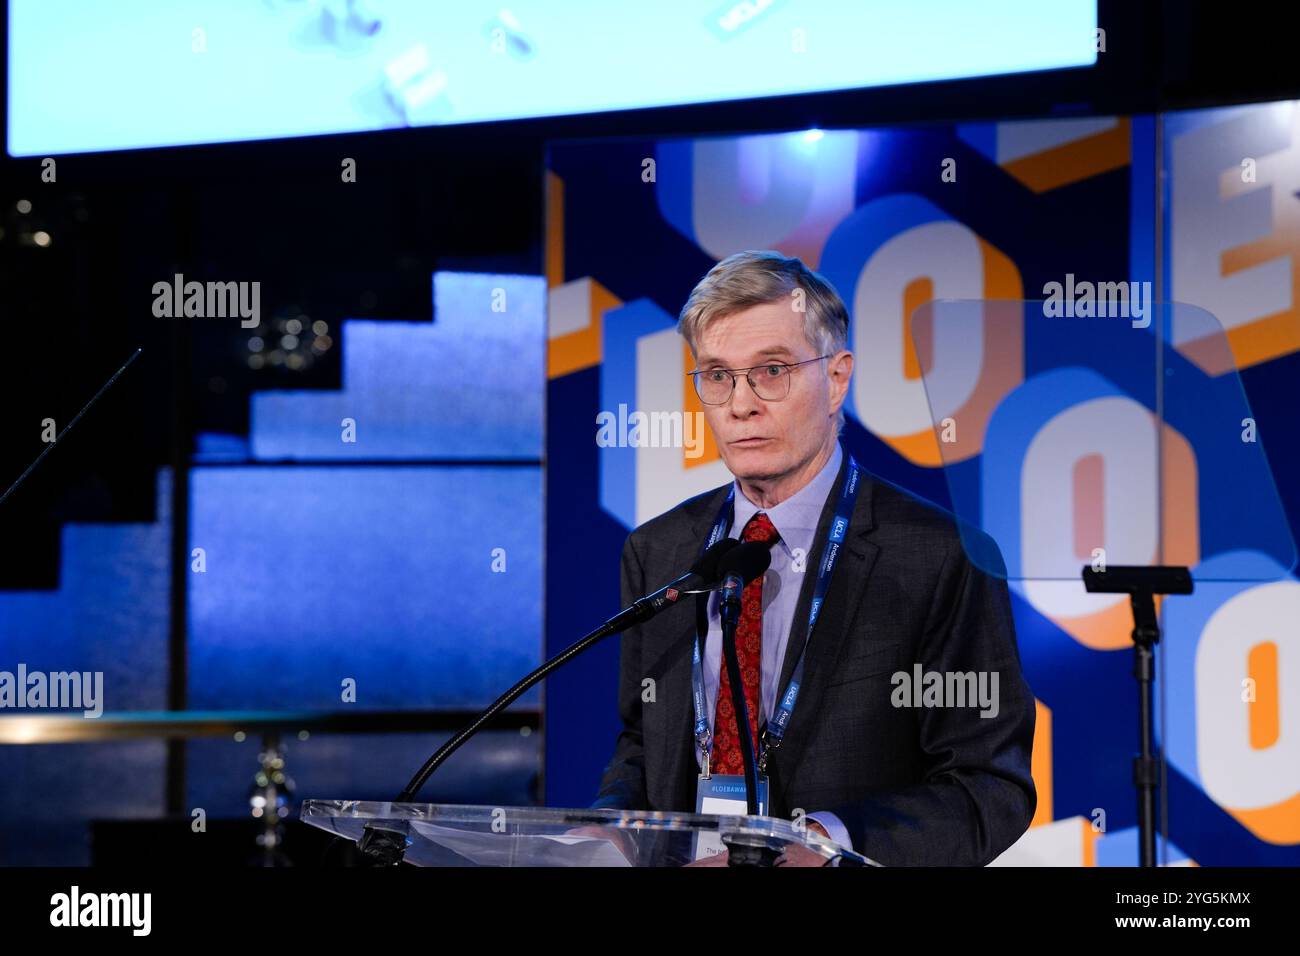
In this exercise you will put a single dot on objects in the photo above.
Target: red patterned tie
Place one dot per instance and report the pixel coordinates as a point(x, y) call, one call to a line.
point(749, 650)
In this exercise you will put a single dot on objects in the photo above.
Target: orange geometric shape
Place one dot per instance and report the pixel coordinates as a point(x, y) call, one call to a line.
point(917, 358)
point(693, 406)
point(1180, 503)
point(1278, 824)
point(1278, 333)
point(1004, 364)
point(1111, 629)
point(1040, 763)
point(1265, 711)
point(580, 306)
point(554, 230)
point(1090, 837)
point(1089, 505)
point(1075, 161)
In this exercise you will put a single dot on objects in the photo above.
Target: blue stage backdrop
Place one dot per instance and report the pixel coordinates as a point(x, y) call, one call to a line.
point(897, 219)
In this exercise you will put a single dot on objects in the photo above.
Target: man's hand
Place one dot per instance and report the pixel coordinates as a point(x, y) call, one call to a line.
point(796, 855)
point(716, 859)
point(793, 856)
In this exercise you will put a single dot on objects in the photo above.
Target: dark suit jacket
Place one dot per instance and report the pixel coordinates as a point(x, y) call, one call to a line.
point(914, 786)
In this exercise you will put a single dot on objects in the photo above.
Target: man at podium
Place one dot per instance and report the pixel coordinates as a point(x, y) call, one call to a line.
point(881, 678)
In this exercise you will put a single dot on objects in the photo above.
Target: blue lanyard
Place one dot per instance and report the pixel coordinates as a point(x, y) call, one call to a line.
point(773, 732)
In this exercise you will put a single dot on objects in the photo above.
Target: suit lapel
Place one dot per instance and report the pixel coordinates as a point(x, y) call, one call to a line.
point(799, 624)
point(669, 722)
point(843, 599)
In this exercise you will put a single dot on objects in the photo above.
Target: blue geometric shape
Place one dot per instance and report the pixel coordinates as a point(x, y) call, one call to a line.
point(1120, 848)
point(1184, 620)
point(213, 447)
point(316, 574)
point(468, 385)
point(110, 614)
point(623, 328)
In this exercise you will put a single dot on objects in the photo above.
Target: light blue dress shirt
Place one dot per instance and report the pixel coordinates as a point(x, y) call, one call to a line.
point(795, 519)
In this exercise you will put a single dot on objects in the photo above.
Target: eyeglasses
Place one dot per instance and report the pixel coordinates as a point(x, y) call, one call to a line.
point(715, 385)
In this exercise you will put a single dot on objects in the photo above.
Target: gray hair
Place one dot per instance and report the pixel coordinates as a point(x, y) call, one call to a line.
point(757, 277)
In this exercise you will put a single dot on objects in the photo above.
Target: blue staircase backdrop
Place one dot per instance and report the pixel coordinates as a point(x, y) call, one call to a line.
point(408, 561)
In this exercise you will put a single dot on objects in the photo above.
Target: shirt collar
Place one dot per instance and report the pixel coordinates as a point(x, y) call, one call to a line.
point(800, 512)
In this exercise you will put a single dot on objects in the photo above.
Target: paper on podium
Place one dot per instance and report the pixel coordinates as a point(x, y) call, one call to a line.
point(498, 849)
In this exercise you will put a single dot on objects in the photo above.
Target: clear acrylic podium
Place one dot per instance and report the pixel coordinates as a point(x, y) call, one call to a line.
point(464, 835)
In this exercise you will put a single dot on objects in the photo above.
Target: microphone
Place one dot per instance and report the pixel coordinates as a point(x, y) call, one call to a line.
point(738, 567)
point(703, 576)
point(385, 845)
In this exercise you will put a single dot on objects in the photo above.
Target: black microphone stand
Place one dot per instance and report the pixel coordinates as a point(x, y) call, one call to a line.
point(1141, 584)
point(743, 850)
point(385, 844)
point(732, 661)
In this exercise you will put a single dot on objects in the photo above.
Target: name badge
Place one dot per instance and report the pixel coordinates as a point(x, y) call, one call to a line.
point(723, 794)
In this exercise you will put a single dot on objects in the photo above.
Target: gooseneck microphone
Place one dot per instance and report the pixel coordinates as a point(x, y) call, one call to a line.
point(738, 567)
point(385, 844)
point(703, 576)
point(745, 563)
